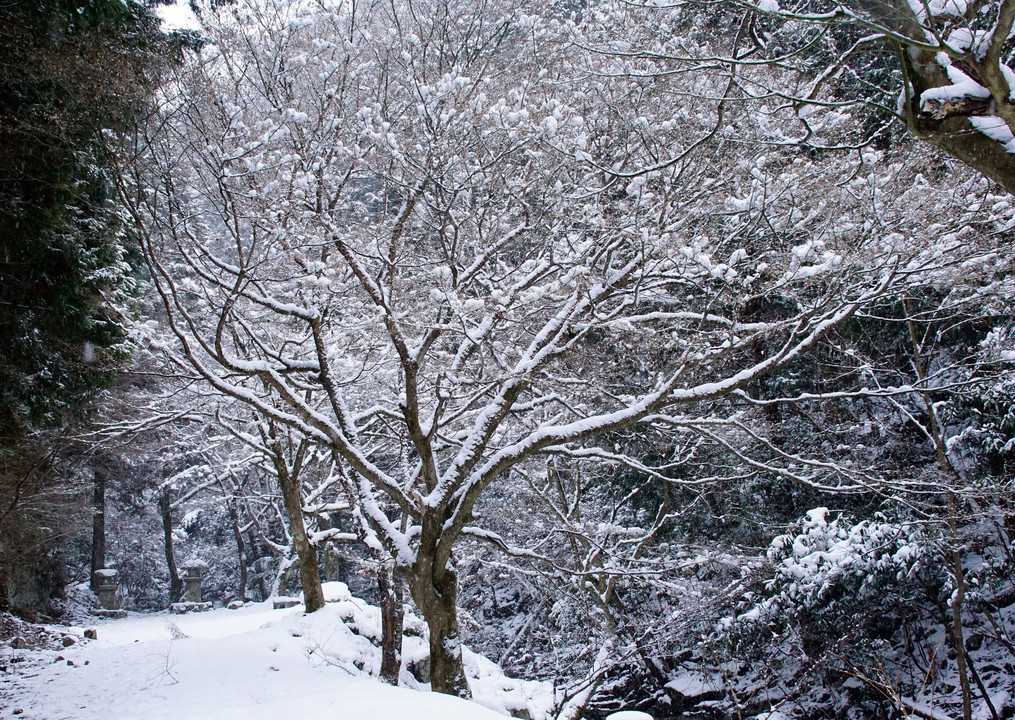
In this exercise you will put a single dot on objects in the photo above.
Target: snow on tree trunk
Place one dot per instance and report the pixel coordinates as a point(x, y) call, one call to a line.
point(390, 587)
point(943, 67)
point(435, 591)
point(434, 286)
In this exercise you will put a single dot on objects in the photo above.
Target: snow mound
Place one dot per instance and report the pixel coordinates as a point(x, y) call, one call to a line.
point(493, 689)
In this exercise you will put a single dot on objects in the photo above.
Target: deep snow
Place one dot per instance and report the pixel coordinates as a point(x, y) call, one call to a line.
point(252, 663)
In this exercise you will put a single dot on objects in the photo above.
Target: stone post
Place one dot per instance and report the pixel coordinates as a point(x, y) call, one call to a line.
point(332, 564)
point(106, 581)
point(193, 571)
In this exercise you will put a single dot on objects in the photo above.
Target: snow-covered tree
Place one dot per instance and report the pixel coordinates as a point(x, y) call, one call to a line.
point(414, 239)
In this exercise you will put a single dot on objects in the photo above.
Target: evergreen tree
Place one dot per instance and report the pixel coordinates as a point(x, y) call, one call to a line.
point(68, 72)
point(72, 74)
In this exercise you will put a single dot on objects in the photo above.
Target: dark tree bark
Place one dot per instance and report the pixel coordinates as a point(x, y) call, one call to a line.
point(310, 576)
point(957, 633)
point(943, 119)
point(241, 550)
point(948, 128)
point(390, 586)
point(166, 509)
point(945, 123)
point(434, 588)
point(292, 499)
point(98, 524)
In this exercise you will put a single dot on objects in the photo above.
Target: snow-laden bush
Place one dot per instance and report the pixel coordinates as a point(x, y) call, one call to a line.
point(823, 609)
point(991, 439)
point(832, 579)
point(823, 560)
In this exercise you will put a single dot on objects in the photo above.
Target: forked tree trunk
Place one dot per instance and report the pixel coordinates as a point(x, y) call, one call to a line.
point(166, 509)
point(390, 586)
point(292, 500)
point(282, 574)
point(435, 592)
point(310, 575)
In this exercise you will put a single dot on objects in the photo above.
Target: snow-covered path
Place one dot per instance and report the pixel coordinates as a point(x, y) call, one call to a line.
point(253, 663)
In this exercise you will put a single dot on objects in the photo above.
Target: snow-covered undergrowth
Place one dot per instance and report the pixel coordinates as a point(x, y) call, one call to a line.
point(851, 619)
point(250, 663)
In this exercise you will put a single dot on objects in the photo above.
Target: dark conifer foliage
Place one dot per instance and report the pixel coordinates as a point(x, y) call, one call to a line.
point(68, 72)
point(72, 74)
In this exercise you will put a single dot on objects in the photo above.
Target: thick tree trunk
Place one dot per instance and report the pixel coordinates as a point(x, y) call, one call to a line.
point(166, 509)
point(949, 127)
point(310, 575)
point(98, 524)
point(390, 586)
point(435, 592)
point(292, 500)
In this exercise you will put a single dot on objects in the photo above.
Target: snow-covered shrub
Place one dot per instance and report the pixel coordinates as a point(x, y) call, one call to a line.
point(992, 437)
point(823, 608)
point(838, 577)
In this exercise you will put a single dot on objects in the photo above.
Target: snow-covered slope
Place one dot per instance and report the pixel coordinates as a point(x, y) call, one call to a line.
point(251, 663)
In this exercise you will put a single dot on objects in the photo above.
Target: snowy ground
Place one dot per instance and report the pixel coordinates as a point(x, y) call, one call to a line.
point(251, 663)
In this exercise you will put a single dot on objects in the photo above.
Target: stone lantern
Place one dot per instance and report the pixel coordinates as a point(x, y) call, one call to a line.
point(106, 583)
point(193, 572)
